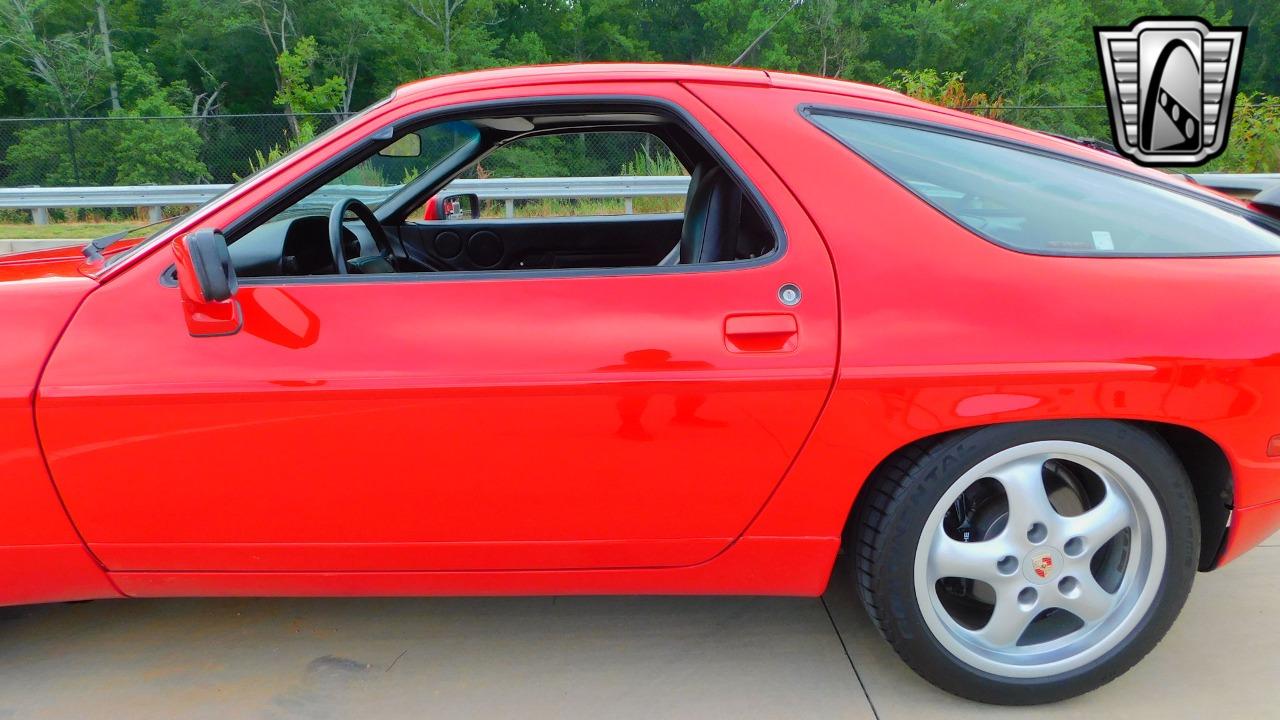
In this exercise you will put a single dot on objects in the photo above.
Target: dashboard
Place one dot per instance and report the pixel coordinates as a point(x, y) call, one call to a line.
point(295, 247)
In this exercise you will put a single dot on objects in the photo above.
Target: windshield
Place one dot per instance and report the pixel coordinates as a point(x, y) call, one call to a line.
point(384, 173)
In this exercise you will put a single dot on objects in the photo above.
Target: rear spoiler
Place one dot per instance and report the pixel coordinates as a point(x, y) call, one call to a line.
point(1261, 190)
point(1267, 201)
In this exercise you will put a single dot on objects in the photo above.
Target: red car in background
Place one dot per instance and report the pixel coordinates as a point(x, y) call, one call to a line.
point(1024, 389)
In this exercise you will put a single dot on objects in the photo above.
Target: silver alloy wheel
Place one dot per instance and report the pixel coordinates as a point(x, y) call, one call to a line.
point(1063, 589)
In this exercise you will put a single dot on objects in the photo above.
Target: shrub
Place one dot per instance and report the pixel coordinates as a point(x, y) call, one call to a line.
point(1254, 145)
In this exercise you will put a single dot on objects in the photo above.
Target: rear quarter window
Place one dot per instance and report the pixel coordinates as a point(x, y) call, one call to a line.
point(1039, 203)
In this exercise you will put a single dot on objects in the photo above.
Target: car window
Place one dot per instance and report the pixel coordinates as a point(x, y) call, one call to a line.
point(381, 175)
point(1037, 203)
point(496, 201)
point(579, 155)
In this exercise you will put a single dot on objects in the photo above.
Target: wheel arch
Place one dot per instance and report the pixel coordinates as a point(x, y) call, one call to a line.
point(1207, 465)
point(1204, 461)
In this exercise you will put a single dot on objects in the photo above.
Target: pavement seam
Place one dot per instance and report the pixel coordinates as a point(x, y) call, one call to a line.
point(875, 713)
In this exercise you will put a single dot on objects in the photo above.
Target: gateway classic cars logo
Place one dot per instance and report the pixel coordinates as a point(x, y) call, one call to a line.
point(1170, 83)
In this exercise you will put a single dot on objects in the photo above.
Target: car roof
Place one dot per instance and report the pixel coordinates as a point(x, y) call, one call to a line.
point(585, 73)
point(604, 72)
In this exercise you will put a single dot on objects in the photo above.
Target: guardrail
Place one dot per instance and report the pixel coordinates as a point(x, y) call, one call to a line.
point(155, 197)
point(39, 200)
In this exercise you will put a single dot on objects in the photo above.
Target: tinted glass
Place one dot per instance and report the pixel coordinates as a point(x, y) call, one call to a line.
point(1046, 205)
point(380, 175)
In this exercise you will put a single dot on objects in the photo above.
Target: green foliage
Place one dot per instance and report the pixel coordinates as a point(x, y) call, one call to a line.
point(536, 157)
point(160, 152)
point(364, 174)
point(126, 151)
point(46, 155)
point(1255, 136)
point(157, 152)
point(592, 154)
point(527, 49)
point(947, 89)
point(206, 57)
point(261, 160)
point(298, 92)
point(647, 163)
point(555, 207)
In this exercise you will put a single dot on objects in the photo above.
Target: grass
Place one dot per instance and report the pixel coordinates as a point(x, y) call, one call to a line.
point(63, 230)
point(582, 208)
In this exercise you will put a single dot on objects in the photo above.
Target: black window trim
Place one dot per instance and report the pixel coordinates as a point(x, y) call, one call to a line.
point(410, 202)
point(808, 110)
point(358, 151)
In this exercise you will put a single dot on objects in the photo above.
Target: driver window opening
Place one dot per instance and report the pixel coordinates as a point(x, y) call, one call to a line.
point(617, 155)
point(517, 193)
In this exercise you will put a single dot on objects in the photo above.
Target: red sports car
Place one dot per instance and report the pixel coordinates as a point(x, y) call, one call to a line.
point(1022, 387)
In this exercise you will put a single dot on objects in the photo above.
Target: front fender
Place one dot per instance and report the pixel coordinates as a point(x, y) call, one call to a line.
point(42, 558)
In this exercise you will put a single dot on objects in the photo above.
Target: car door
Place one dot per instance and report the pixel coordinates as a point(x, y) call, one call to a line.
point(542, 243)
point(445, 421)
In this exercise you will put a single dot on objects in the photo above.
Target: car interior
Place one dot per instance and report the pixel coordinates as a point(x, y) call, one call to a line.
point(368, 215)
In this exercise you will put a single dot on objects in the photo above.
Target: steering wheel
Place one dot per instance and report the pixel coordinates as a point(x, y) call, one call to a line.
point(374, 263)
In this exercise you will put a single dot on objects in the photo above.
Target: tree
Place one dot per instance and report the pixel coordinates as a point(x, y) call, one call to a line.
point(172, 154)
point(355, 31)
point(765, 33)
point(439, 14)
point(835, 28)
point(71, 58)
point(105, 30)
point(1261, 70)
point(452, 35)
point(65, 65)
point(298, 93)
point(107, 152)
point(757, 33)
point(587, 30)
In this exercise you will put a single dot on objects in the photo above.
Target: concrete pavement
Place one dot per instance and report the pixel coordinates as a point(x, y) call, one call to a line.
point(1221, 660)
point(580, 657)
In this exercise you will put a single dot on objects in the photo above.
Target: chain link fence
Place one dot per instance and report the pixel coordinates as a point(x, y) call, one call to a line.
point(51, 152)
point(141, 150)
point(58, 152)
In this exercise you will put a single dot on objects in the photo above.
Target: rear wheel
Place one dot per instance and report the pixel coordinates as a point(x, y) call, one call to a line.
point(1027, 563)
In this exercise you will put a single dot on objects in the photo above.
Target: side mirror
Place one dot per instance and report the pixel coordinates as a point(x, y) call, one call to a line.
point(207, 282)
point(452, 207)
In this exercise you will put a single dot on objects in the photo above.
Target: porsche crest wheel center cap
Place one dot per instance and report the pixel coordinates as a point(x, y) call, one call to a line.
point(1042, 565)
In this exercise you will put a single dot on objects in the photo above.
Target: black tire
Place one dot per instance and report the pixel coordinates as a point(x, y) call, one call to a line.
point(899, 498)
